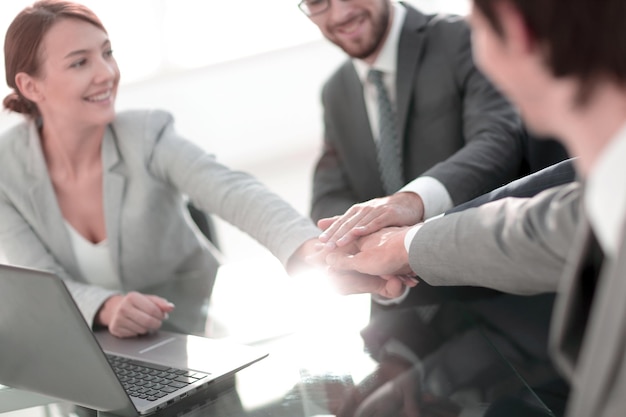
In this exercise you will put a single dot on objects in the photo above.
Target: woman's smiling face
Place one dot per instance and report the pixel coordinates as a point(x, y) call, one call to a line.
point(78, 77)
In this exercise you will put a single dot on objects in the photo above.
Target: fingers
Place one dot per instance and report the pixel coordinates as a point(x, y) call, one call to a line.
point(343, 261)
point(164, 305)
point(365, 262)
point(327, 222)
point(388, 286)
point(372, 218)
point(122, 327)
point(408, 280)
point(148, 306)
point(366, 226)
point(394, 287)
point(399, 209)
point(309, 254)
point(341, 229)
point(139, 314)
point(347, 283)
point(372, 262)
point(381, 253)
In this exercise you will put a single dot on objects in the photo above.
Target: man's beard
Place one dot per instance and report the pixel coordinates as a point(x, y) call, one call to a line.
point(379, 30)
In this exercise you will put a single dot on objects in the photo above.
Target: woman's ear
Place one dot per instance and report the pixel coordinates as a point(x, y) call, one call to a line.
point(28, 87)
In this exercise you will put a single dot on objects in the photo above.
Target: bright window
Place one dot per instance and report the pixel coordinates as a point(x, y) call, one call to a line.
point(155, 36)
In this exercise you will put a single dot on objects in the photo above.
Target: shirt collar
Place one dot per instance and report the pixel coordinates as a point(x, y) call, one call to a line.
point(387, 60)
point(605, 196)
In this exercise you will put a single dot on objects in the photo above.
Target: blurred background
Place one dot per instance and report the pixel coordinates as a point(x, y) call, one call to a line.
point(242, 78)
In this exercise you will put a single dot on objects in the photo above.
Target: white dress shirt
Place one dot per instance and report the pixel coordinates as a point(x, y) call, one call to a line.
point(94, 261)
point(433, 193)
point(605, 195)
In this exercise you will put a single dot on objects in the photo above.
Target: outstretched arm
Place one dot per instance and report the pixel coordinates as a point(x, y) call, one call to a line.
point(512, 245)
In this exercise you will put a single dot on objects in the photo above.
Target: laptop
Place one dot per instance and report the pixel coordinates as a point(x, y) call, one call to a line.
point(47, 347)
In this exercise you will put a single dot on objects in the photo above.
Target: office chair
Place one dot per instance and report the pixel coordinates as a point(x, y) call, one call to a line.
point(205, 224)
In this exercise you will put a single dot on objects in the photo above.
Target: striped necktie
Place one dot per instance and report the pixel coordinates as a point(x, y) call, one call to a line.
point(389, 155)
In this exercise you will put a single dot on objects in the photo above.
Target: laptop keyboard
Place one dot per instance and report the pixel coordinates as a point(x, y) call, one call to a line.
point(149, 381)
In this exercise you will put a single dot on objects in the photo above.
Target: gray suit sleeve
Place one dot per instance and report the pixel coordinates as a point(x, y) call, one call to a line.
point(235, 196)
point(492, 131)
point(512, 245)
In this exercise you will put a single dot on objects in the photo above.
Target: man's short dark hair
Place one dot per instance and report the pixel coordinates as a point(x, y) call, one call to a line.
point(585, 39)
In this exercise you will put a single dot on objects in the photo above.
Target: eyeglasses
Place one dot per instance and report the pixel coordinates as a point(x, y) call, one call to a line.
point(314, 7)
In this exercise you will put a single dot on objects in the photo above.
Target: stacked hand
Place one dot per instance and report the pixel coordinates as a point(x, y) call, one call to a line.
point(351, 282)
point(377, 263)
point(380, 253)
point(369, 239)
point(400, 209)
point(348, 280)
point(363, 250)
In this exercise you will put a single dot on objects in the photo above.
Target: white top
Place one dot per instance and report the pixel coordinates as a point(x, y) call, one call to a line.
point(94, 260)
point(605, 195)
point(433, 193)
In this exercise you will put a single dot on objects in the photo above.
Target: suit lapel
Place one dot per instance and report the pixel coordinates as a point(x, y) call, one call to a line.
point(114, 178)
point(601, 354)
point(46, 207)
point(409, 54)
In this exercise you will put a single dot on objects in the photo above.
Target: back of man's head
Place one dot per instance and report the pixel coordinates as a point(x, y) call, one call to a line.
point(584, 39)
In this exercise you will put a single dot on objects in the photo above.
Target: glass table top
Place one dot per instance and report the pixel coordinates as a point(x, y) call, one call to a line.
point(324, 359)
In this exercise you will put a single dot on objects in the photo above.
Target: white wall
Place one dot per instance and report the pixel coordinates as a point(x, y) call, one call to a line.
point(261, 114)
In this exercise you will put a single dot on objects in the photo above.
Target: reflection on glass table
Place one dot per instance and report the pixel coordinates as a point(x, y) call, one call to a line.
point(321, 362)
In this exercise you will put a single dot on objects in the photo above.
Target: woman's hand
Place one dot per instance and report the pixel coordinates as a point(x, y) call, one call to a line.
point(311, 254)
point(133, 314)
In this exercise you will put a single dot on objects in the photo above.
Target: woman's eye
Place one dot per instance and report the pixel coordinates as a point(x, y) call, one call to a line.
point(79, 63)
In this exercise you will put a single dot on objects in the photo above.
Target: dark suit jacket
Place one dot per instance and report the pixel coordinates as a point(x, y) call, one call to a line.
point(456, 127)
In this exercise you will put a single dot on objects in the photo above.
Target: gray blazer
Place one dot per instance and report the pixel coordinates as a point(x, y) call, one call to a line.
point(518, 246)
point(543, 252)
point(456, 127)
point(149, 172)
